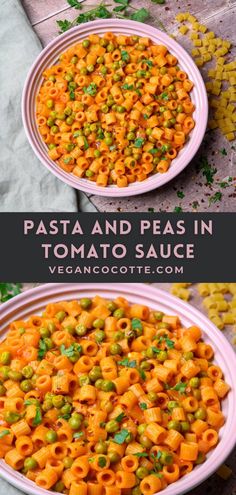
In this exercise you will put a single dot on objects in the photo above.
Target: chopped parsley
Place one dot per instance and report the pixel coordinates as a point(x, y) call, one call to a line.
point(72, 94)
point(153, 151)
point(208, 171)
point(143, 405)
point(136, 324)
point(223, 152)
point(86, 145)
point(142, 373)
point(145, 116)
point(126, 362)
point(91, 89)
point(121, 436)
point(128, 86)
point(151, 210)
point(120, 417)
point(165, 96)
point(125, 56)
point(141, 454)
point(3, 433)
point(7, 291)
point(70, 351)
point(195, 205)
point(78, 434)
point(226, 182)
point(38, 417)
point(216, 197)
point(180, 387)
point(138, 143)
point(148, 62)
point(102, 462)
point(180, 194)
point(177, 209)
point(67, 160)
point(42, 349)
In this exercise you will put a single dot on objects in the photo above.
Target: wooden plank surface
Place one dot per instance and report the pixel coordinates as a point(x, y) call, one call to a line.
point(214, 485)
point(219, 15)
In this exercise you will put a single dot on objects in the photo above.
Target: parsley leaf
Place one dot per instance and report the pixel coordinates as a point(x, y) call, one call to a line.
point(226, 182)
point(180, 194)
point(3, 433)
point(72, 94)
point(177, 209)
point(180, 387)
point(151, 210)
point(170, 343)
point(121, 436)
point(141, 454)
point(86, 145)
point(142, 373)
point(91, 89)
point(42, 349)
point(102, 462)
point(120, 417)
point(126, 362)
point(143, 405)
point(70, 351)
point(125, 56)
point(128, 86)
point(78, 434)
point(148, 62)
point(223, 152)
point(38, 417)
point(64, 25)
point(138, 143)
point(208, 171)
point(165, 96)
point(75, 4)
point(136, 324)
point(140, 15)
point(216, 197)
point(145, 116)
point(195, 205)
point(7, 291)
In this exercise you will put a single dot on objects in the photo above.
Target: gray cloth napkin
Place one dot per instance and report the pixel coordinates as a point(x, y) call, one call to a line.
point(25, 184)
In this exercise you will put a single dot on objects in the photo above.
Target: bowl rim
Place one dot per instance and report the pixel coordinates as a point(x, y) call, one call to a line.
point(157, 296)
point(152, 182)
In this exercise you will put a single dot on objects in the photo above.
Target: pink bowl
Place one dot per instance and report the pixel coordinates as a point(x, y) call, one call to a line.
point(33, 302)
point(50, 55)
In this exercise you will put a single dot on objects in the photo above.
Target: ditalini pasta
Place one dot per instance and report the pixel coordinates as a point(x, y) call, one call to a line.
point(103, 397)
point(115, 109)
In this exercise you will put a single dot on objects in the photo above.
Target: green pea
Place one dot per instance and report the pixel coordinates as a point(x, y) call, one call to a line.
point(162, 356)
point(61, 116)
point(84, 380)
point(163, 71)
point(100, 60)
point(104, 108)
point(11, 417)
point(188, 355)
point(179, 109)
point(116, 77)
point(70, 120)
point(51, 327)
point(141, 472)
point(81, 330)
point(59, 487)
point(74, 422)
point(120, 109)
point(110, 47)
point(185, 426)
point(113, 456)
point(200, 458)
point(58, 401)
point(66, 409)
point(44, 332)
point(149, 353)
point(112, 426)
point(90, 68)
point(89, 173)
point(171, 87)
point(83, 71)
point(115, 349)
point(100, 447)
point(141, 428)
point(95, 373)
point(86, 43)
point(50, 122)
point(136, 491)
point(130, 136)
point(107, 386)
point(119, 313)
point(200, 413)
point(51, 436)
point(162, 109)
point(60, 316)
point(98, 383)
point(50, 103)
point(118, 335)
point(145, 365)
point(103, 42)
point(70, 147)
point(173, 121)
point(51, 146)
point(85, 302)
point(108, 141)
point(52, 78)
point(99, 336)
point(16, 376)
point(174, 425)
point(166, 458)
point(93, 127)
point(47, 405)
point(30, 463)
point(2, 390)
point(26, 385)
point(68, 461)
point(152, 396)
point(68, 77)
point(141, 73)
point(115, 65)
point(49, 343)
point(97, 153)
point(194, 382)
point(5, 358)
point(166, 147)
point(74, 59)
point(172, 404)
point(158, 315)
point(145, 441)
point(53, 114)
point(103, 70)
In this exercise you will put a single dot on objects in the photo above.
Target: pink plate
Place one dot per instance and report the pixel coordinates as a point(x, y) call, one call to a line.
point(33, 302)
point(50, 55)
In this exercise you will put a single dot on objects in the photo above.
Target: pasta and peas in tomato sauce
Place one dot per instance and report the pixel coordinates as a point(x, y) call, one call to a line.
point(106, 397)
point(115, 109)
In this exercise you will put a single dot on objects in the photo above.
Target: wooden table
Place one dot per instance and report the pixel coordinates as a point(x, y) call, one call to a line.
point(218, 16)
point(214, 485)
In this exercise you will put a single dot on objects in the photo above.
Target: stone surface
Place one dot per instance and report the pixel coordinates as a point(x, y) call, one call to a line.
point(218, 16)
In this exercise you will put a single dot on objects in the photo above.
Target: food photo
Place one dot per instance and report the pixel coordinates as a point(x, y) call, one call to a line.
point(124, 389)
point(126, 107)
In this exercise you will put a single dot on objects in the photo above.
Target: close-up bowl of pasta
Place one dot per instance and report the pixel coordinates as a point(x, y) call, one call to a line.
point(115, 108)
point(112, 390)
